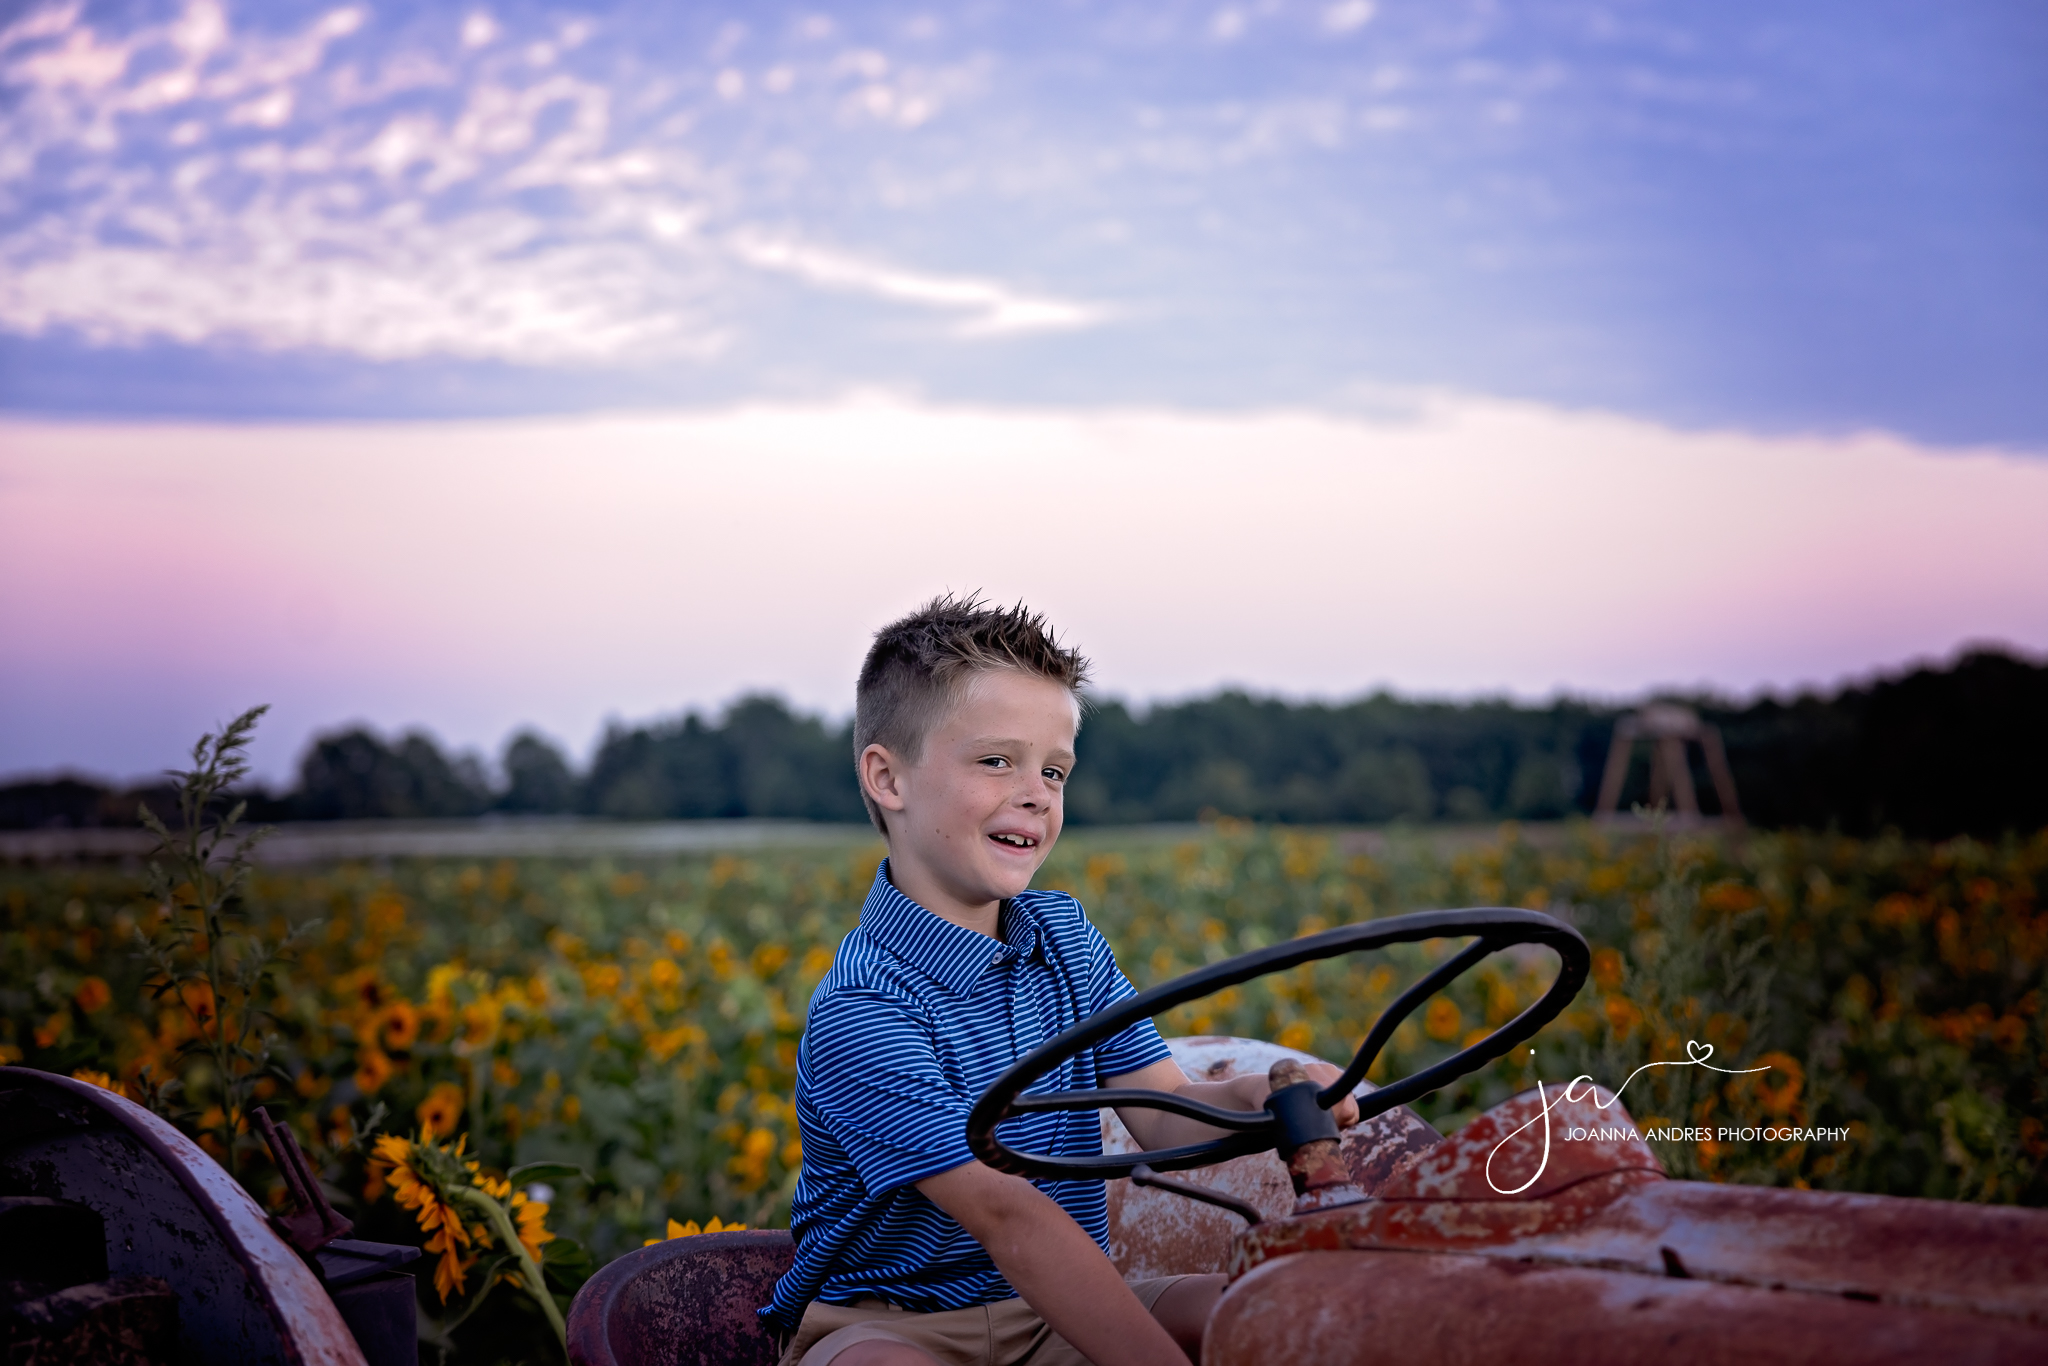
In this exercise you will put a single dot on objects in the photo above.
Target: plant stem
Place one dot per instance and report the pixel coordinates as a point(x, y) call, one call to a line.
point(479, 1202)
point(222, 1062)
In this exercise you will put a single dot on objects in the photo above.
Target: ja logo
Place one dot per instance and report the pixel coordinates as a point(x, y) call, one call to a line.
point(1696, 1055)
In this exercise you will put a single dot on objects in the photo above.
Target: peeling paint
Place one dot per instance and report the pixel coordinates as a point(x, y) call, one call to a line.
point(1155, 1233)
point(1601, 1258)
point(174, 1213)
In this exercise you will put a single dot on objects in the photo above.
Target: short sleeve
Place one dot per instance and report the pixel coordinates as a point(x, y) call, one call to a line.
point(875, 1078)
point(1137, 1044)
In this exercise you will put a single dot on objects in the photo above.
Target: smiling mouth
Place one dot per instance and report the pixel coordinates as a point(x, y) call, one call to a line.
point(1015, 841)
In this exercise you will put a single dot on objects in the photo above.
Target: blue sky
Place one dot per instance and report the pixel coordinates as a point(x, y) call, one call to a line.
point(1818, 217)
point(478, 365)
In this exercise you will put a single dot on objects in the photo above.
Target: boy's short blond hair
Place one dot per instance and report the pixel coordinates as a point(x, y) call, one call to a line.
point(919, 666)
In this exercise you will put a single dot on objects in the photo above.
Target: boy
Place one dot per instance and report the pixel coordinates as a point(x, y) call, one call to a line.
point(909, 1250)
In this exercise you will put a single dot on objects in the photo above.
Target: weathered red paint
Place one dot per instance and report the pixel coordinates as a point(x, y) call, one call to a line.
point(1511, 1152)
point(685, 1302)
point(1420, 1309)
point(1935, 1254)
point(172, 1212)
point(1155, 1233)
point(1598, 1257)
point(1452, 1194)
point(1594, 1258)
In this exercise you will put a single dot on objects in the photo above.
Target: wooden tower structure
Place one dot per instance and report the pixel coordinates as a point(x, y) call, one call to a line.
point(1668, 728)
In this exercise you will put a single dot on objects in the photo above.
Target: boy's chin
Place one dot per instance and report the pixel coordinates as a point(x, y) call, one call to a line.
point(1007, 876)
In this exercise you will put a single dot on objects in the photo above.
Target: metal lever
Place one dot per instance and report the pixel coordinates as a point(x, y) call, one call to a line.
point(1143, 1175)
point(314, 1224)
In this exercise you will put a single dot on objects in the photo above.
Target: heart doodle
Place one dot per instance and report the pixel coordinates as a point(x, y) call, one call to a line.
point(1697, 1051)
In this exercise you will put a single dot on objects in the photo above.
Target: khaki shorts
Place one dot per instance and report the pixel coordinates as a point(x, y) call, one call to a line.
point(1007, 1333)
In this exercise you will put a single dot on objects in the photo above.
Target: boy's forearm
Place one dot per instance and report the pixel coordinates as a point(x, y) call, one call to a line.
point(1156, 1129)
point(1063, 1275)
point(1161, 1129)
point(1054, 1265)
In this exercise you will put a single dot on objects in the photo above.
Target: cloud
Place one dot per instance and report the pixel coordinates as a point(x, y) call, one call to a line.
point(1348, 16)
point(270, 110)
point(196, 182)
point(460, 289)
point(988, 308)
point(1428, 191)
point(207, 210)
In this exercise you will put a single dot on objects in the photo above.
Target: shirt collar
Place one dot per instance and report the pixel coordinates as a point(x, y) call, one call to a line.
point(952, 955)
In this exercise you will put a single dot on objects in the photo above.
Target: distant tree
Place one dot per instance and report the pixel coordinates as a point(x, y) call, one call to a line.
point(1932, 752)
point(1929, 752)
point(537, 777)
point(56, 803)
point(1962, 748)
point(760, 760)
point(672, 771)
point(69, 803)
point(354, 775)
point(782, 764)
point(1385, 785)
point(1545, 786)
point(1376, 759)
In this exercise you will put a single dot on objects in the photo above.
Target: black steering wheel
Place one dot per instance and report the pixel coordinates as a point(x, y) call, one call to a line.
point(1281, 1125)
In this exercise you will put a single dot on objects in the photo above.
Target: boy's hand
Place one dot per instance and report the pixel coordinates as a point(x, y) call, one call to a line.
point(1345, 1111)
point(1158, 1129)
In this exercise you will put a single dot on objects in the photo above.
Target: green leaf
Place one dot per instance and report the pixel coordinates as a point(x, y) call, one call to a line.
point(545, 1171)
point(565, 1264)
point(565, 1251)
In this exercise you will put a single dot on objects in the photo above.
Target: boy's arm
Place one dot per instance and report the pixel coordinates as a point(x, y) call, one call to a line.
point(1054, 1265)
point(1158, 1129)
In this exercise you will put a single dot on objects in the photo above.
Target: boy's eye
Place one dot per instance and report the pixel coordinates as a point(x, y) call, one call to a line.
point(1054, 775)
point(996, 761)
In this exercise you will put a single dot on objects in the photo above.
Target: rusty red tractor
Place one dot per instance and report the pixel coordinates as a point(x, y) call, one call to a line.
point(1392, 1243)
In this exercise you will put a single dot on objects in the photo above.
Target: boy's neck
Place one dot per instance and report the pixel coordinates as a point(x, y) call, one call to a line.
point(915, 883)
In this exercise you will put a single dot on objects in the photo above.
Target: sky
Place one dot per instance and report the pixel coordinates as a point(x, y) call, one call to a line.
point(471, 365)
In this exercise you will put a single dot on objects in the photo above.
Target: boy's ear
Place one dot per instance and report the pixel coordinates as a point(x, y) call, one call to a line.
point(881, 777)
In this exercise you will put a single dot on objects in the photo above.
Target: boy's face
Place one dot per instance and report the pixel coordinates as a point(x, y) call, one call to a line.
point(981, 807)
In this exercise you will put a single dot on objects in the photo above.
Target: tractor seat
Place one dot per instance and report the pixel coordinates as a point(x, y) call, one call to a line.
point(685, 1302)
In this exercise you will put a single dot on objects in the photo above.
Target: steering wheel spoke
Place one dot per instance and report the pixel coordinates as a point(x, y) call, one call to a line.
point(1108, 1167)
point(1491, 930)
point(1110, 1097)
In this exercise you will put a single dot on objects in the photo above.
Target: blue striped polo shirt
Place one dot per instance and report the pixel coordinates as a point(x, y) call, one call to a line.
point(913, 1022)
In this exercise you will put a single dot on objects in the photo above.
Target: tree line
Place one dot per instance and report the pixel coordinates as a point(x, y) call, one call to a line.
point(1930, 752)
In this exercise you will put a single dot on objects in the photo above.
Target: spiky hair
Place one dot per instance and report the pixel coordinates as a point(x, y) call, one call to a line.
point(919, 666)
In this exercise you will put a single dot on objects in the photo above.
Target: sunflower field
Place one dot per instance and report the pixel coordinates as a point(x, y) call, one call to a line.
point(530, 1067)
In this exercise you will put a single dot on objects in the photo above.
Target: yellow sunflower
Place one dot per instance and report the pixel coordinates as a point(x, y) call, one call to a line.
point(691, 1230)
point(406, 1167)
point(442, 1186)
point(441, 1111)
point(373, 1069)
point(532, 1216)
point(399, 1023)
point(99, 1079)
